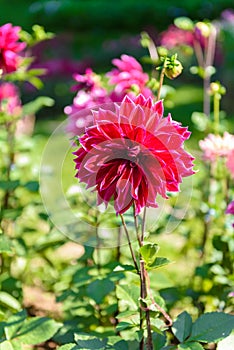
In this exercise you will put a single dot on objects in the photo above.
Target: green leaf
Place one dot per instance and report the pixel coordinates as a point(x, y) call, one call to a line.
point(149, 252)
point(9, 185)
point(5, 245)
point(190, 346)
point(9, 301)
point(158, 262)
point(182, 326)
point(130, 295)
point(35, 105)
point(90, 342)
point(97, 290)
point(6, 345)
point(124, 325)
point(69, 347)
point(14, 323)
point(126, 314)
point(32, 186)
point(159, 341)
point(212, 327)
point(37, 330)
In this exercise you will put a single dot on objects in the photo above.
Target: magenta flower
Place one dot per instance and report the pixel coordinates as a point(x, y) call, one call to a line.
point(175, 36)
point(133, 154)
point(10, 103)
point(10, 48)
point(128, 78)
point(90, 95)
point(230, 208)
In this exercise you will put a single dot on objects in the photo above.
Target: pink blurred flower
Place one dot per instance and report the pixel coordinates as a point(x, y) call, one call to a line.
point(90, 95)
point(230, 162)
point(9, 48)
point(230, 208)
point(215, 146)
point(10, 103)
point(228, 15)
point(128, 78)
point(133, 154)
point(175, 36)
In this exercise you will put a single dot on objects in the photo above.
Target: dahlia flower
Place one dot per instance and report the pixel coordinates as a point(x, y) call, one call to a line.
point(9, 48)
point(90, 94)
point(133, 154)
point(128, 78)
point(215, 146)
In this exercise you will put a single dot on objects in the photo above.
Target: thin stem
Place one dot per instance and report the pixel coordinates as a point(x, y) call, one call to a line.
point(206, 96)
point(144, 286)
point(161, 80)
point(130, 244)
point(216, 112)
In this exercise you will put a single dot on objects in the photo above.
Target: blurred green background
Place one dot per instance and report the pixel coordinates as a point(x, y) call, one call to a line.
point(92, 32)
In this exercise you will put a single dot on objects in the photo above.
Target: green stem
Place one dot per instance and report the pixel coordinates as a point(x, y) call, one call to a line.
point(216, 112)
point(130, 244)
point(161, 80)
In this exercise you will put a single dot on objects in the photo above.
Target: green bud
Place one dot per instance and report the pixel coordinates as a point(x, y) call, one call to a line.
point(217, 89)
point(173, 67)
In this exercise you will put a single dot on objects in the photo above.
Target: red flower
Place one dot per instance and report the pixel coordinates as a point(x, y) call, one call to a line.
point(9, 48)
point(133, 154)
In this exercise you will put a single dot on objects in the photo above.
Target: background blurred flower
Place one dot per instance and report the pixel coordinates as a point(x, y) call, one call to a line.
point(215, 146)
point(230, 162)
point(128, 78)
point(9, 48)
point(9, 99)
point(90, 95)
point(133, 154)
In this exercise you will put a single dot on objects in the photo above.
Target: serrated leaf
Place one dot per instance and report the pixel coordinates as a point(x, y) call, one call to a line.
point(190, 346)
point(6, 345)
point(89, 342)
point(9, 301)
point(182, 326)
point(149, 252)
point(212, 327)
point(37, 330)
point(14, 323)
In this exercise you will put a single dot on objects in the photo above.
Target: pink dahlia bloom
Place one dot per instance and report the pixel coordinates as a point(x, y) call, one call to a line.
point(9, 48)
point(90, 95)
point(9, 99)
point(215, 146)
point(175, 36)
point(128, 78)
point(133, 154)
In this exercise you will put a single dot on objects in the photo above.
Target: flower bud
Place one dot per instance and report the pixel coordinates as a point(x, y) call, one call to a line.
point(173, 67)
point(216, 88)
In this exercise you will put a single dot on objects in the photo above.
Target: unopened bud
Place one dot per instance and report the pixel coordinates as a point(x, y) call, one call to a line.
point(173, 67)
point(203, 28)
point(217, 88)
